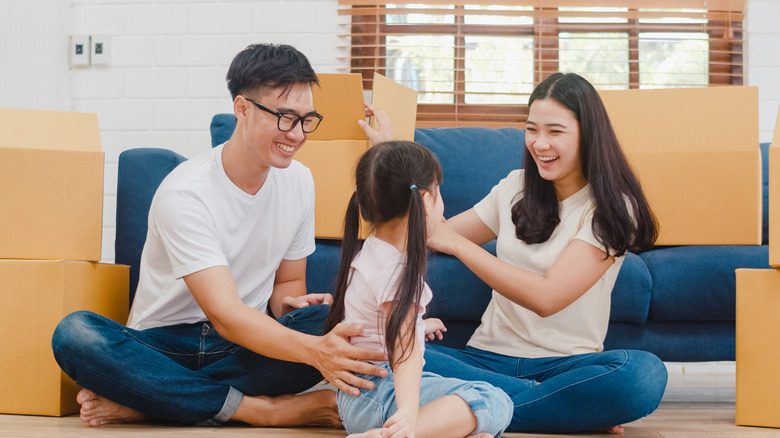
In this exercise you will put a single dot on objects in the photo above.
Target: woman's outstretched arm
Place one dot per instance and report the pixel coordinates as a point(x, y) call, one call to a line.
point(577, 269)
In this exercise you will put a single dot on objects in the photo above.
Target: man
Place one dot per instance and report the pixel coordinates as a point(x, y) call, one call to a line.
point(229, 233)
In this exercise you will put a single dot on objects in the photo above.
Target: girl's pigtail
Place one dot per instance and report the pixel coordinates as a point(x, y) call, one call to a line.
point(348, 249)
point(411, 285)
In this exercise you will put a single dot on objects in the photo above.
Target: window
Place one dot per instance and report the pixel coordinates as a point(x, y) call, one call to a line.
point(475, 63)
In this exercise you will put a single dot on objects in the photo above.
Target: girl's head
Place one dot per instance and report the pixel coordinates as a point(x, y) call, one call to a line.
point(570, 142)
point(395, 181)
point(390, 177)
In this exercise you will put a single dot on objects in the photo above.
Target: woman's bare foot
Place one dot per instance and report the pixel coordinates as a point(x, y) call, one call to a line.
point(96, 410)
point(614, 429)
point(318, 408)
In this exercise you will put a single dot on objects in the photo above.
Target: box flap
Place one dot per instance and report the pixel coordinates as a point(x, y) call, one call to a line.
point(399, 102)
point(339, 99)
point(69, 131)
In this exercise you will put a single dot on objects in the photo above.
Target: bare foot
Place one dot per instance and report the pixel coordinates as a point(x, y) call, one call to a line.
point(318, 408)
point(96, 410)
point(481, 435)
point(614, 429)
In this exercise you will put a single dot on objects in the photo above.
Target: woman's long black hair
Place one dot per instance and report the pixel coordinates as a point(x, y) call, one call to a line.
point(389, 177)
point(612, 182)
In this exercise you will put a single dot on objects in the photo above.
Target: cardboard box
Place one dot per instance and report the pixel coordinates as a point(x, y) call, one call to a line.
point(34, 297)
point(758, 347)
point(51, 185)
point(333, 150)
point(774, 196)
point(696, 153)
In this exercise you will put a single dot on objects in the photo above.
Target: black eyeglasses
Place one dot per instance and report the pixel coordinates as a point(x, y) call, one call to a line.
point(288, 121)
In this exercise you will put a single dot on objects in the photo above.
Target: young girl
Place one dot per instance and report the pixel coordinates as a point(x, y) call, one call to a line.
point(563, 225)
point(383, 288)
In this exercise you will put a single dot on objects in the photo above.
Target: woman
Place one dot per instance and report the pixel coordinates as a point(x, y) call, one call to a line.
point(563, 226)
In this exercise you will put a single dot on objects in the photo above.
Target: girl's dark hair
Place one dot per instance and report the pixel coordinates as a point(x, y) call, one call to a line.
point(268, 66)
point(612, 183)
point(385, 178)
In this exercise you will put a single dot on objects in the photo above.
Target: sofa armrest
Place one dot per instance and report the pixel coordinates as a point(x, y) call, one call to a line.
point(140, 173)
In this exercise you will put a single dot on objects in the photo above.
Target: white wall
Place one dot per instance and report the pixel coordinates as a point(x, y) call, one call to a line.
point(168, 59)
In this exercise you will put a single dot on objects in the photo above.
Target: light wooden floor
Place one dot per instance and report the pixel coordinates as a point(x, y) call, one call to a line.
point(694, 406)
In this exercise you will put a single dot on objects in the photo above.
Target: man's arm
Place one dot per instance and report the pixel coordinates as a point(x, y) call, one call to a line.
point(290, 289)
point(216, 292)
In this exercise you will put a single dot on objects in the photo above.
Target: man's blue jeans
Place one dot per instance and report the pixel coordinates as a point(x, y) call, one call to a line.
point(574, 393)
point(186, 373)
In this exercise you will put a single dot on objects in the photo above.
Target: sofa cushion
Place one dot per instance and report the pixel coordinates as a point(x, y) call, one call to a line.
point(473, 160)
point(140, 173)
point(632, 292)
point(698, 283)
point(222, 127)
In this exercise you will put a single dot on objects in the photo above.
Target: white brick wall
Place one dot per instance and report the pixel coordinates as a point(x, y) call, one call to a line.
point(169, 58)
point(166, 77)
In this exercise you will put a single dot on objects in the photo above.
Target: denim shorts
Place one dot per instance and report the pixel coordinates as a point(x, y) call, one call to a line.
point(492, 407)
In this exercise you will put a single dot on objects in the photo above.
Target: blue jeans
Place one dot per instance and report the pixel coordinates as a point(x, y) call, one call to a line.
point(490, 405)
point(185, 373)
point(575, 393)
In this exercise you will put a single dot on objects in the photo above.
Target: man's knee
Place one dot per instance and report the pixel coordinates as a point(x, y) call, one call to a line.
point(310, 319)
point(75, 332)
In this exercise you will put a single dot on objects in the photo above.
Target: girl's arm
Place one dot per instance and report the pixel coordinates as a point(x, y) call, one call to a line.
point(407, 376)
point(577, 269)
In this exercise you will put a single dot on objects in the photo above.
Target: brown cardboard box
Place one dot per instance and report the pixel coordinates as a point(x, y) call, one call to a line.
point(34, 296)
point(696, 153)
point(758, 347)
point(51, 185)
point(774, 196)
point(334, 148)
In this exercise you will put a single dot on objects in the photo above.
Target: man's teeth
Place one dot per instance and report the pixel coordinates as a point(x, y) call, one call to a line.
point(285, 147)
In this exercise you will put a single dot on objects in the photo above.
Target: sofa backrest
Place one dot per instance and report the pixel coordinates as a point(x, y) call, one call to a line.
point(140, 173)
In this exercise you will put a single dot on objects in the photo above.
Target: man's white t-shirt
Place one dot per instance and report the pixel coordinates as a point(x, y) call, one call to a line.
point(199, 219)
point(512, 330)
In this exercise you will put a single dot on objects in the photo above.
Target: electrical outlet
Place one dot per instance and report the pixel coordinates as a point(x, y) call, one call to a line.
point(100, 49)
point(79, 50)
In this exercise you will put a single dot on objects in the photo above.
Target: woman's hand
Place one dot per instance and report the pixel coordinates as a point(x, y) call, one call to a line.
point(384, 129)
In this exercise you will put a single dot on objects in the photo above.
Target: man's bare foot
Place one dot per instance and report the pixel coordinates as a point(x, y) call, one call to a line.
point(318, 408)
point(614, 429)
point(96, 410)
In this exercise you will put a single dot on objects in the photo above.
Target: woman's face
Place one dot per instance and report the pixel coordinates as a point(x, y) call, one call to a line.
point(553, 138)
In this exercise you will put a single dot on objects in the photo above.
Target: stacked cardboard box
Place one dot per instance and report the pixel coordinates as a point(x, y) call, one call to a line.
point(758, 327)
point(51, 192)
point(332, 151)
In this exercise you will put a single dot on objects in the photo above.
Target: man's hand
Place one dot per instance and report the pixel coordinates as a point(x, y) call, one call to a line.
point(434, 329)
point(291, 303)
point(384, 129)
point(337, 360)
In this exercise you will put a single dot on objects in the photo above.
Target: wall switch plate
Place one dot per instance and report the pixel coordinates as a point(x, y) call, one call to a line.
point(100, 46)
point(79, 50)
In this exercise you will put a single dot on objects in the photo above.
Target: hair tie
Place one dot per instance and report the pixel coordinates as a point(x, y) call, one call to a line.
point(413, 186)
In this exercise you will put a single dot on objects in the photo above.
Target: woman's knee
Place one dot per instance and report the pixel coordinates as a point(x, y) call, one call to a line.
point(646, 379)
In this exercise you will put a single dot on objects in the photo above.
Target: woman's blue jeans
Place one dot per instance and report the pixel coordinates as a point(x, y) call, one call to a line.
point(574, 393)
point(186, 373)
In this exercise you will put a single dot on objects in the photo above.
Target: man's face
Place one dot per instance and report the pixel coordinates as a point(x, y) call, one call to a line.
point(263, 139)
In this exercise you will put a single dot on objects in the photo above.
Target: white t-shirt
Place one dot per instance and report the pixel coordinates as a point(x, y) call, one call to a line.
point(199, 219)
point(374, 278)
point(512, 330)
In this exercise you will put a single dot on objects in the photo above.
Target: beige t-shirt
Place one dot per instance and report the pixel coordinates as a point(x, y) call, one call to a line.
point(512, 330)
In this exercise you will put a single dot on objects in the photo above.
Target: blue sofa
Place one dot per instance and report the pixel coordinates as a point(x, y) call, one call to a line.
point(677, 302)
